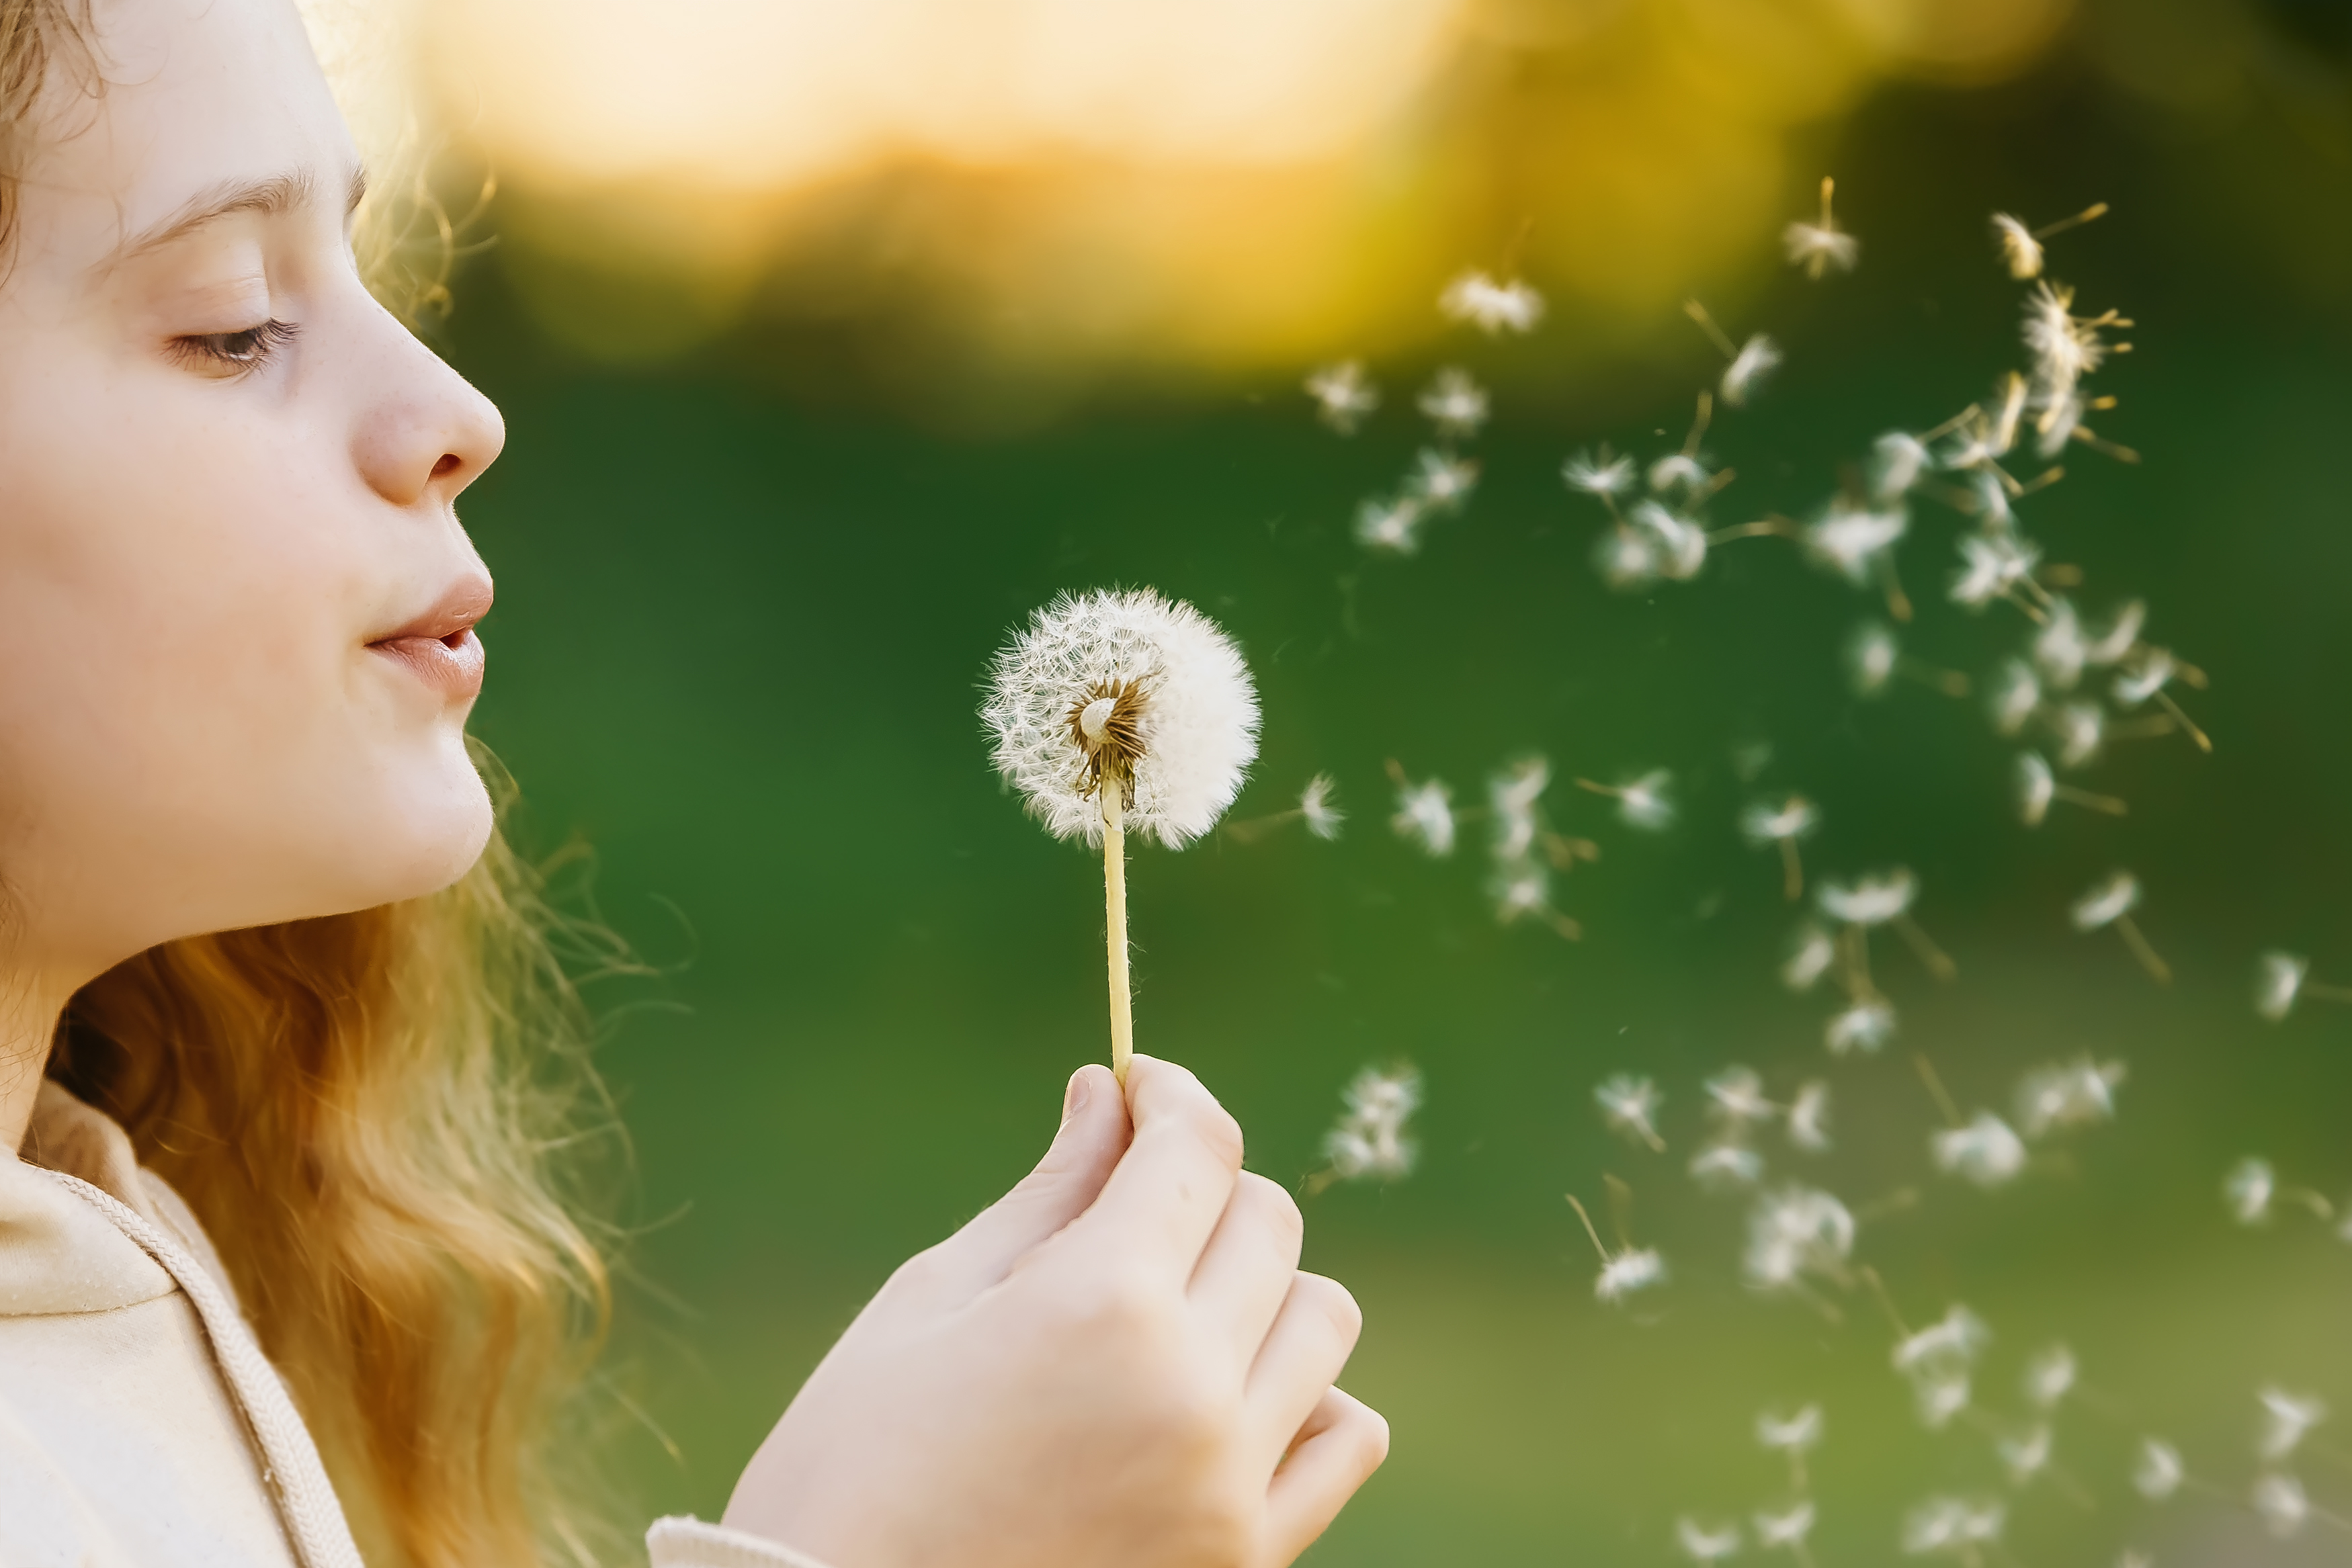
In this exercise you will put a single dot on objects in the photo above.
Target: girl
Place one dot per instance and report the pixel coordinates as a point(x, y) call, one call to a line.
point(283, 1262)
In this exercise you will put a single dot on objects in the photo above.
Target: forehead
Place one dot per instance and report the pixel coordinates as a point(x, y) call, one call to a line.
point(197, 94)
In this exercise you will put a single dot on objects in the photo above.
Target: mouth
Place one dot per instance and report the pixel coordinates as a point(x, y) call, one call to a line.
point(440, 647)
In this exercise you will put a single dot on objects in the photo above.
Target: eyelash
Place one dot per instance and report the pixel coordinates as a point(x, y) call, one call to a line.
point(235, 353)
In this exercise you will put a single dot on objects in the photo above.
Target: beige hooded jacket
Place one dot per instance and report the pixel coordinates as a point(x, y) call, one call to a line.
point(141, 1426)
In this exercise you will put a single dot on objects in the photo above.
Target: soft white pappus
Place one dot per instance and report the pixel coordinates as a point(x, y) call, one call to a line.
point(2278, 983)
point(1391, 523)
point(2120, 639)
point(1986, 1151)
point(1954, 1527)
point(1643, 802)
point(2061, 1094)
point(2281, 1503)
point(1991, 567)
point(1871, 654)
point(1810, 954)
point(2020, 251)
point(2060, 648)
point(1708, 1542)
point(1492, 306)
point(2036, 788)
point(1727, 1168)
point(1817, 247)
point(1757, 358)
point(1197, 729)
point(2051, 1375)
point(1679, 544)
point(1679, 471)
point(2287, 1419)
point(1424, 816)
point(2082, 730)
point(2107, 901)
point(1629, 1105)
point(2026, 1455)
point(1852, 540)
point(1635, 1269)
point(1322, 815)
point(2157, 1470)
point(1938, 1397)
point(1897, 459)
point(1370, 1139)
point(1626, 558)
point(1809, 1117)
point(1455, 403)
point(1514, 798)
point(1794, 1232)
point(2016, 696)
point(1599, 475)
point(1343, 395)
point(2065, 347)
point(2249, 1189)
point(1870, 900)
point(1735, 1100)
point(1865, 1027)
point(1784, 1530)
point(1441, 481)
point(1798, 1432)
point(2143, 677)
point(1770, 822)
point(1951, 1343)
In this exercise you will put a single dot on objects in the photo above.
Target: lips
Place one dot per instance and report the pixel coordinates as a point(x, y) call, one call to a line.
point(439, 647)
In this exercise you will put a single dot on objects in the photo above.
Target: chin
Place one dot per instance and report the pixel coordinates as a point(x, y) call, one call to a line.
point(426, 839)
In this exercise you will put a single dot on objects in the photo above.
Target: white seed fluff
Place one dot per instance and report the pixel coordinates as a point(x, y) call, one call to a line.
point(1199, 724)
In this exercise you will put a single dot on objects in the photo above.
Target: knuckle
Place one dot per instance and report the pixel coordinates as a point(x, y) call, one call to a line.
point(1216, 1128)
point(1274, 1205)
point(1371, 1429)
point(1334, 1301)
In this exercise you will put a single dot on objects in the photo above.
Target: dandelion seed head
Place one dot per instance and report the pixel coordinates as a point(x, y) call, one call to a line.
point(2280, 1501)
point(1793, 1232)
point(1456, 403)
point(1871, 656)
point(2158, 1472)
point(1796, 1433)
point(1727, 1168)
point(2278, 983)
point(2036, 788)
point(1635, 1269)
point(2287, 1419)
point(2016, 694)
point(2107, 902)
point(1986, 1151)
point(2019, 249)
point(1629, 1105)
point(1809, 1117)
point(1870, 900)
point(2076, 1094)
point(1441, 481)
point(1810, 954)
point(1315, 804)
point(1491, 306)
point(2050, 1376)
point(1896, 459)
point(1787, 1529)
point(1707, 1543)
point(1599, 475)
point(1343, 395)
point(2250, 1188)
point(1757, 358)
point(1424, 816)
point(1184, 732)
point(1865, 1027)
point(1850, 540)
point(1391, 523)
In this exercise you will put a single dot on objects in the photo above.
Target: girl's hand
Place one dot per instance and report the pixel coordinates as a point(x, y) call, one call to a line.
point(1119, 1366)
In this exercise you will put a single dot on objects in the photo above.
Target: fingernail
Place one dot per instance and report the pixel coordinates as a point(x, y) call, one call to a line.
point(1074, 1098)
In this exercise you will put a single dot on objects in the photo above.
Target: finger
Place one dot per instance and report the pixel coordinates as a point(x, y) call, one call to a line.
point(1304, 1352)
point(1093, 1134)
point(1171, 1186)
point(1245, 1272)
point(1341, 1444)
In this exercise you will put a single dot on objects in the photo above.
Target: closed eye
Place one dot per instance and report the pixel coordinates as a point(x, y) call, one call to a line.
point(233, 354)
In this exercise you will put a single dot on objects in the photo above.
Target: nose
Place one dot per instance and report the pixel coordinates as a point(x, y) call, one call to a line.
point(423, 431)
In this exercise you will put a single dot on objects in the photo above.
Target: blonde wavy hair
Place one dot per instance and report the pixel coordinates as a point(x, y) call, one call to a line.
point(386, 1120)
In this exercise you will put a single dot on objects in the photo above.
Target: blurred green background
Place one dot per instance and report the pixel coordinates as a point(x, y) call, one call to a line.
point(744, 604)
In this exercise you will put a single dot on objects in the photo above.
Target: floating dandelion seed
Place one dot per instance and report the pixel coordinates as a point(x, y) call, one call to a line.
point(1809, 1117)
point(2060, 649)
point(2065, 347)
point(1629, 1105)
point(1736, 1101)
point(1119, 709)
point(1601, 475)
point(2250, 1187)
point(1642, 802)
point(1886, 899)
point(2037, 787)
point(1819, 246)
point(1494, 308)
point(1455, 403)
point(1897, 460)
point(2110, 903)
point(1727, 1168)
point(1795, 1434)
point(2050, 1376)
point(1370, 1137)
point(2287, 1419)
point(1626, 558)
point(1391, 524)
point(2283, 1504)
point(2070, 1094)
point(1810, 954)
point(1707, 1543)
point(2282, 979)
point(1858, 543)
point(2027, 1455)
point(1343, 395)
point(1986, 1151)
point(1874, 657)
point(1751, 362)
point(1952, 1342)
point(1678, 544)
point(2082, 730)
point(2015, 697)
point(1679, 471)
point(1424, 814)
point(1796, 1232)
point(1866, 1025)
point(1953, 1526)
point(2158, 1472)
point(1323, 818)
point(1786, 1530)
point(2146, 673)
point(2021, 248)
point(1627, 1269)
point(1442, 482)
point(1993, 565)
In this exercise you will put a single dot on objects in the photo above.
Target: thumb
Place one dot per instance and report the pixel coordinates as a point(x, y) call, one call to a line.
point(1094, 1134)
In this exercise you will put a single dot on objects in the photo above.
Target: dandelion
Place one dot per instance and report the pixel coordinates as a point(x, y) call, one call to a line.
point(1809, 958)
point(1866, 1025)
point(1370, 1138)
point(1897, 459)
point(2065, 347)
point(1492, 307)
point(1986, 1151)
point(1705, 1544)
point(1441, 481)
point(1795, 1232)
point(1122, 709)
point(1819, 246)
point(1737, 1101)
point(1954, 1527)
point(1343, 395)
point(1873, 658)
point(2280, 1501)
point(1763, 823)
point(1809, 1117)
point(2158, 1472)
point(1629, 1105)
point(1886, 899)
point(2050, 1376)
point(1858, 544)
point(2110, 903)
point(2147, 671)
point(2015, 696)
point(1786, 1530)
point(1751, 362)
point(2071, 1094)
point(1323, 819)
point(2025, 1457)
point(1455, 403)
point(1425, 815)
point(2021, 248)
point(1627, 1269)
point(1642, 802)
point(1601, 475)
point(1726, 1167)
point(1391, 523)
point(2287, 1419)
point(2037, 787)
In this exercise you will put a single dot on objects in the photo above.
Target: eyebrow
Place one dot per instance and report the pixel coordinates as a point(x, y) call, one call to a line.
point(278, 194)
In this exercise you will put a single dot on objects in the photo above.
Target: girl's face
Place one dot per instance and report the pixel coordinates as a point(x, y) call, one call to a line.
point(235, 603)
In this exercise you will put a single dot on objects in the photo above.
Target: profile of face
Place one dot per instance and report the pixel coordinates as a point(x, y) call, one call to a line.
point(236, 653)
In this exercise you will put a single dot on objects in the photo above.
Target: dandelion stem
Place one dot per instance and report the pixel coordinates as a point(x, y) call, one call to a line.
point(1589, 1230)
point(1122, 1006)
point(1898, 604)
point(1940, 963)
point(1928, 1075)
point(1951, 683)
point(2032, 612)
point(1792, 871)
point(2328, 993)
point(2204, 742)
point(1722, 340)
point(2148, 728)
point(2096, 210)
point(2112, 805)
point(1878, 1288)
point(2309, 1200)
point(2158, 969)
